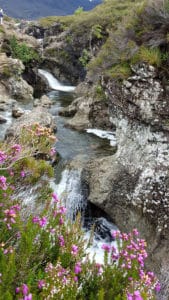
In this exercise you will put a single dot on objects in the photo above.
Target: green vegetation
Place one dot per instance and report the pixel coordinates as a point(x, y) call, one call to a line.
point(99, 92)
point(152, 56)
point(84, 59)
point(79, 10)
point(22, 51)
point(121, 71)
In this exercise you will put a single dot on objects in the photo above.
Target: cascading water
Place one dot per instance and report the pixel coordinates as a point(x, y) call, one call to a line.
point(70, 192)
point(72, 196)
point(54, 83)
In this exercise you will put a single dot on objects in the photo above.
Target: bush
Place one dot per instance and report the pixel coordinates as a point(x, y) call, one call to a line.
point(22, 51)
point(79, 10)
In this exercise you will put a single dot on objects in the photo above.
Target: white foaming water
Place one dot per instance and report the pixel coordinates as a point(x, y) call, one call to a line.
point(54, 83)
point(110, 135)
point(95, 250)
point(70, 193)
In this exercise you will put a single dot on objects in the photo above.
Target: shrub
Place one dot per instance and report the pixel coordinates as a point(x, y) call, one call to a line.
point(84, 59)
point(22, 51)
point(79, 10)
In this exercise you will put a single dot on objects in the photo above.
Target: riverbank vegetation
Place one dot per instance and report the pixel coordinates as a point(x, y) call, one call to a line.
point(129, 32)
point(42, 254)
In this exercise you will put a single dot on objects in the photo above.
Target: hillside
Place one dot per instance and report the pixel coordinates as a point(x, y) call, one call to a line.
point(35, 9)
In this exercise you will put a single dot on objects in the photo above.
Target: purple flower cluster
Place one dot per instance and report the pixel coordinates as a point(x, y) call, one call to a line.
point(24, 291)
point(3, 157)
point(11, 214)
point(3, 184)
point(40, 221)
point(131, 256)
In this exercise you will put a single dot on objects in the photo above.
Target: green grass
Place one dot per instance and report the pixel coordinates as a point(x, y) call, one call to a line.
point(152, 56)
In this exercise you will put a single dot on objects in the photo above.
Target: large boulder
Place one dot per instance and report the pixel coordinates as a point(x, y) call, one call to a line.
point(10, 67)
point(20, 89)
point(37, 115)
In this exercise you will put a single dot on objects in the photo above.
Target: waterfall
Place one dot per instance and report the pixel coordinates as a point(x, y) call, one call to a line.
point(54, 83)
point(70, 192)
point(71, 195)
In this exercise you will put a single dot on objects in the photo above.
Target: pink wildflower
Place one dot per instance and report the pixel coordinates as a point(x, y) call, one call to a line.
point(41, 284)
point(61, 241)
point(25, 289)
point(3, 185)
point(3, 157)
point(52, 152)
point(17, 148)
point(22, 174)
point(28, 297)
point(106, 247)
point(158, 287)
point(55, 197)
point(77, 268)
point(74, 250)
point(43, 221)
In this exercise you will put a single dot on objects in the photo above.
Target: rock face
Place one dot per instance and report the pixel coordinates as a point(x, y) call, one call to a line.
point(88, 110)
point(11, 70)
point(132, 186)
point(20, 89)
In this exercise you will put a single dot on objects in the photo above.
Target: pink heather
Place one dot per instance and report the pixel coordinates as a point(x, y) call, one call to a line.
point(52, 152)
point(55, 197)
point(22, 174)
point(28, 297)
point(41, 283)
point(43, 221)
point(3, 185)
point(106, 247)
point(74, 250)
point(3, 157)
point(17, 148)
point(25, 289)
point(61, 241)
point(77, 268)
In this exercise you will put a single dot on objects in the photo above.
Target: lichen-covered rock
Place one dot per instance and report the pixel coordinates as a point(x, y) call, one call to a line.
point(44, 101)
point(10, 67)
point(19, 89)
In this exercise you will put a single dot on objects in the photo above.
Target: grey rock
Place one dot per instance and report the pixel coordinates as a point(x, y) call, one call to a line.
point(2, 120)
point(17, 112)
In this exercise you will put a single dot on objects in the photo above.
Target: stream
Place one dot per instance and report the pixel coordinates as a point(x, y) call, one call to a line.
point(75, 149)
